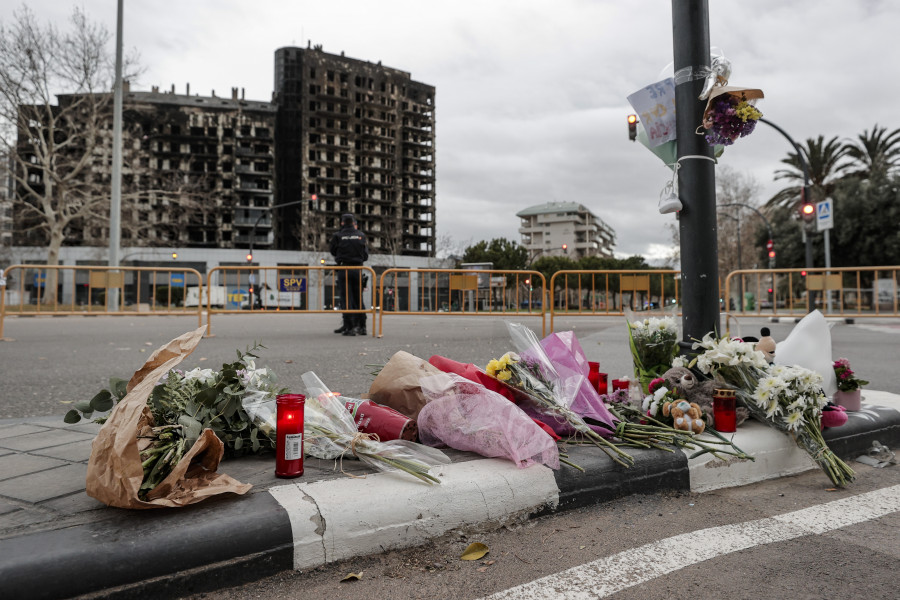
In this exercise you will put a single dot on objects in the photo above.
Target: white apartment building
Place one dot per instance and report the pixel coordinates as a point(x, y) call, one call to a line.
point(565, 229)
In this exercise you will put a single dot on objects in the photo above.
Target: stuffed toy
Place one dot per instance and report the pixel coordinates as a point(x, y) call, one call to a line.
point(687, 386)
point(685, 415)
point(766, 344)
point(833, 415)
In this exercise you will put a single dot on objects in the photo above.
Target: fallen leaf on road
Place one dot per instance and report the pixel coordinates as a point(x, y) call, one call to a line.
point(352, 576)
point(475, 551)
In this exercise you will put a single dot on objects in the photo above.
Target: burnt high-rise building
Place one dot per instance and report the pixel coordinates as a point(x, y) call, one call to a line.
point(357, 137)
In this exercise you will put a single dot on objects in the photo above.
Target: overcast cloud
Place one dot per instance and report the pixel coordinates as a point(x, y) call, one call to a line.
point(531, 95)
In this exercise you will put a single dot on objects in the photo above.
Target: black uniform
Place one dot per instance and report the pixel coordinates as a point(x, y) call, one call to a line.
point(348, 246)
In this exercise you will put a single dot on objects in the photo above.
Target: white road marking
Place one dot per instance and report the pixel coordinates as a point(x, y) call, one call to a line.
point(611, 574)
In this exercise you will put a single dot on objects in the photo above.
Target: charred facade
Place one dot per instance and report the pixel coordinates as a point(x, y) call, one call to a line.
point(353, 137)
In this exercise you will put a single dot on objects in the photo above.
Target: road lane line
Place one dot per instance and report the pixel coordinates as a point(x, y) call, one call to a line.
point(612, 574)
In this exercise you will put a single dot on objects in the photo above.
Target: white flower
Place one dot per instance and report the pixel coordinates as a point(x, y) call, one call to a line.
point(202, 375)
point(794, 420)
point(679, 361)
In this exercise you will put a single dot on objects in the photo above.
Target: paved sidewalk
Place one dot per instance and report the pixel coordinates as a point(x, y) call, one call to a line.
point(56, 542)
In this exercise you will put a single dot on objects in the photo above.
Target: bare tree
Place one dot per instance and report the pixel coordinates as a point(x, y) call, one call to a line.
point(55, 112)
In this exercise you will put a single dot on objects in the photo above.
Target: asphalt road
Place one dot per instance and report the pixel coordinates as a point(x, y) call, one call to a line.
point(633, 548)
point(48, 362)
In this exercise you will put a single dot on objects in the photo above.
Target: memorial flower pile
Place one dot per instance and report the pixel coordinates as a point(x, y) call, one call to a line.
point(184, 403)
point(787, 398)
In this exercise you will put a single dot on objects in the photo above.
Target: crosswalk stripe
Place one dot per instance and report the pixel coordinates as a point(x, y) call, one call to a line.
point(612, 574)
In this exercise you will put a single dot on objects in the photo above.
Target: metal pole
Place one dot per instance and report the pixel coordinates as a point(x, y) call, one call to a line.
point(696, 178)
point(115, 209)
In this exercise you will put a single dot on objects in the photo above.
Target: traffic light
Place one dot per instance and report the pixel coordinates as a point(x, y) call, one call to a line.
point(565, 247)
point(174, 256)
point(770, 290)
point(632, 127)
point(802, 273)
point(770, 246)
point(249, 257)
point(808, 211)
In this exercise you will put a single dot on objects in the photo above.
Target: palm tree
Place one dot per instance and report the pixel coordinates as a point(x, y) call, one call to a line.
point(826, 167)
point(875, 153)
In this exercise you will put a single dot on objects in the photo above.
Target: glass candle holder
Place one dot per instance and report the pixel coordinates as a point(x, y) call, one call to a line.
point(620, 384)
point(289, 435)
point(724, 410)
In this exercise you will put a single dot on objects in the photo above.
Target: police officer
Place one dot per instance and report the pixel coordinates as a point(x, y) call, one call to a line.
point(348, 246)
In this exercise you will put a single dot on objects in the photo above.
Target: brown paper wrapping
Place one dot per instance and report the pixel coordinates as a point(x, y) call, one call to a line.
point(397, 385)
point(114, 472)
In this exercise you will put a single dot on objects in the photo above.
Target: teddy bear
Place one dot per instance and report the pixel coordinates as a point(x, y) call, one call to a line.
point(687, 386)
point(685, 415)
point(766, 344)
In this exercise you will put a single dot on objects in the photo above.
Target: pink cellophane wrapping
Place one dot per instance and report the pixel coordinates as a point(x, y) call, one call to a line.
point(571, 363)
point(467, 416)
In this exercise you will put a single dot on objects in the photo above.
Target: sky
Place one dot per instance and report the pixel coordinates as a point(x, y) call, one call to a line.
point(531, 95)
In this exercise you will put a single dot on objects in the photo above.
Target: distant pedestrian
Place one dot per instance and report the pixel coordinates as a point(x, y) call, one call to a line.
point(348, 246)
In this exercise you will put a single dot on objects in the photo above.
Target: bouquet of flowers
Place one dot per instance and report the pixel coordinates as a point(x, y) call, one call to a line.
point(330, 432)
point(847, 381)
point(729, 116)
point(789, 399)
point(467, 416)
point(654, 344)
point(531, 373)
point(185, 403)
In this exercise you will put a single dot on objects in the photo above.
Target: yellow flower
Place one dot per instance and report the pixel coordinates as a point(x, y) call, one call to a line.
point(493, 367)
point(504, 375)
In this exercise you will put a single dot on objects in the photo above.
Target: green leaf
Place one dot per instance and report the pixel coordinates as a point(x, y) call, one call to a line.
point(119, 387)
point(102, 402)
point(207, 397)
point(238, 443)
point(73, 416)
point(83, 406)
point(192, 427)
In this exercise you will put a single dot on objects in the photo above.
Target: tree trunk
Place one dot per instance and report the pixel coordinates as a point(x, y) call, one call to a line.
point(49, 294)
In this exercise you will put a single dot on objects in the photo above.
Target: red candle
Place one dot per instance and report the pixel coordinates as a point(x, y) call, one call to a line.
point(620, 384)
point(289, 435)
point(594, 374)
point(724, 413)
point(602, 386)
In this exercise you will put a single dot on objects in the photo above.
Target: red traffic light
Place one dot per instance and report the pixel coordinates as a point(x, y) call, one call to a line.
point(770, 290)
point(249, 257)
point(564, 247)
point(802, 273)
point(527, 282)
point(771, 254)
point(632, 118)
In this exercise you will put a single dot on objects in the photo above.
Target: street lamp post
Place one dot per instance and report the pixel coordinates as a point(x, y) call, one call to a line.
point(804, 166)
point(771, 238)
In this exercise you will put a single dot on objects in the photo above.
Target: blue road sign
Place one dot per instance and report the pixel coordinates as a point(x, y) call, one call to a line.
point(292, 284)
point(824, 215)
point(176, 280)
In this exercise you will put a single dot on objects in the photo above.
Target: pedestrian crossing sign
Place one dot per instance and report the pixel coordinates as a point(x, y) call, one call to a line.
point(824, 215)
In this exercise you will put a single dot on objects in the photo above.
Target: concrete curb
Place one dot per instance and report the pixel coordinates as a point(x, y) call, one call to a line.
point(302, 525)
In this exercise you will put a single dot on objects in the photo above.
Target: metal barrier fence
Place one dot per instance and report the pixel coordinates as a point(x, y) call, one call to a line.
point(78, 290)
point(93, 290)
point(609, 293)
point(838, 292)
point(285, 289)
point(463, 292)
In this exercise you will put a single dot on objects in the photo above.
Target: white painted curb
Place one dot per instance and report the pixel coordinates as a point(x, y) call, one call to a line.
point(776, 454)
point(343, 518)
